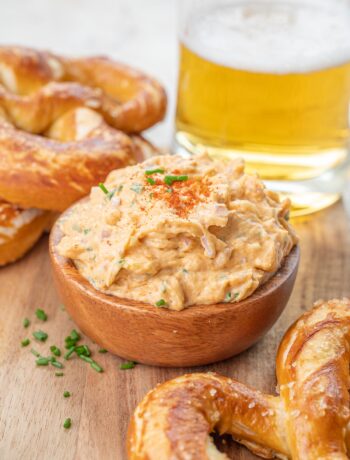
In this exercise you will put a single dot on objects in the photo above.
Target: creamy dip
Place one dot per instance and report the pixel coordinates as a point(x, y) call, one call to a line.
point(175, 232)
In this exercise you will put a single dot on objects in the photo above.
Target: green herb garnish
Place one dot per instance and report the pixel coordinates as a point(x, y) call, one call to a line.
point(40, 335)
point(56, 363)
point(72, 339)
point(102, 350)
point(26, 322)
point(96, 367)
point(170, 179)
point(69, 353)
point(148, 172)
point(228, 296)
point(55, 350)
point(42, 361)
point(25, 342)
point(127, 365)
point(161, 303)
point(103, 188)
point(82, 350)
point(66, 394)
point(150, 180)
point(59, 374)
point(67, 423)
point(40, 314)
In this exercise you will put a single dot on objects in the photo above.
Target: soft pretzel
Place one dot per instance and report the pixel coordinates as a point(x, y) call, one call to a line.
point(19, 230)
point(39, 87)
point(54, 171)
point(308, 421)
point(60, 122)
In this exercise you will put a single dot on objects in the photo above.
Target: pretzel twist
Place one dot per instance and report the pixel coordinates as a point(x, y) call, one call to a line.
point(64, 125)
point(308, 421)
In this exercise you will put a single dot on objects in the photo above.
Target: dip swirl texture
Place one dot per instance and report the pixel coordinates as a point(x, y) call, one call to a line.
point(176, 232)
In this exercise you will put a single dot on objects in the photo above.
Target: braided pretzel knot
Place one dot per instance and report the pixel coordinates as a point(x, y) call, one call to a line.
point(308, 421)
point(58, 134)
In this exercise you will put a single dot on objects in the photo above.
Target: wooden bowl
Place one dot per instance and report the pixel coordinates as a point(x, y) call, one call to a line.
point(198, 335)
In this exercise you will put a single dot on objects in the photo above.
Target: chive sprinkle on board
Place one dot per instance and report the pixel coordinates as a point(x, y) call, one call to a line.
point(40, 314)
point(42, 361)
point(102, 350)
point(26, 322)
point(67, 423)
point(127, 365)
point(25, 342)
point(66, 394)
point(59, 374)
point(40, 335)
point(55, 350)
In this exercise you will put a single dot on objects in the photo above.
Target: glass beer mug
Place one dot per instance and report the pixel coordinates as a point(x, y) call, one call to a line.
point(269, 80)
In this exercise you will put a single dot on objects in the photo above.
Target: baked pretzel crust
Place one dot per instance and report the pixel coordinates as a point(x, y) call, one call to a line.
point(308, 421)
point(19, 230)
point(38, 87)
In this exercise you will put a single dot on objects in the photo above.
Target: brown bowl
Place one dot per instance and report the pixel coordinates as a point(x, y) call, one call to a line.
point(198, 335)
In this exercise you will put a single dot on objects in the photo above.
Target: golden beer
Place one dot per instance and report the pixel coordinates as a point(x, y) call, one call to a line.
point(250, 89)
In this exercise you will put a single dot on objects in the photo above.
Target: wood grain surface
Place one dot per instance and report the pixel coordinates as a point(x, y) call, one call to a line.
point(32, 406)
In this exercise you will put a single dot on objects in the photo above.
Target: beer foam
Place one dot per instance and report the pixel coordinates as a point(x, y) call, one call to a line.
point(272, 36)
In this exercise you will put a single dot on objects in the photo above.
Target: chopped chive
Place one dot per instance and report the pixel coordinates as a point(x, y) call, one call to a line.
point(82, 350)
point(228, 296)
point(55, 350)
point(161, 303)
point(42, 361)
point(102, 350)
point(150, 180)
point(120, 188)
point(86, 231)
point(96, 367)
point(26, 322)
point(127, 365)
point(57, 364)
point(148, 172)
point(70, 352)
point(86, 358)
point(170, 179)
point(40, 335)
point(103, 188)
point(66, 394)
point(121, 261)
point(25, 342)
point(59, 374)
point(137, 188)
point(75, 335)
point(40, 314)
point(169, 190)
point(35, 353)
point(67, 423)
point(184, 270)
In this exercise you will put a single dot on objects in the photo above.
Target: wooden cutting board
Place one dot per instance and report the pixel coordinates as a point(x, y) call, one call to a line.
point(32, 406)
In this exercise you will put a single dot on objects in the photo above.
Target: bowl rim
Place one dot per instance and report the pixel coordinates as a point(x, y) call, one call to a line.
point(72, 276)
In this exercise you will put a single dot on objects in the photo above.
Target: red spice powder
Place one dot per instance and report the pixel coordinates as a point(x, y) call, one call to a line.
point(181, 196)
